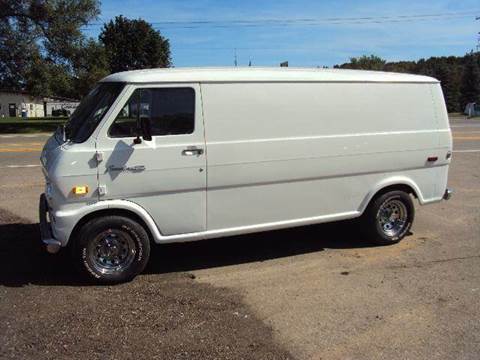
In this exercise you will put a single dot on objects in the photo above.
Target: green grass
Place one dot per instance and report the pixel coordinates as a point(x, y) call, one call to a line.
point(19, 120)
point(19, 125)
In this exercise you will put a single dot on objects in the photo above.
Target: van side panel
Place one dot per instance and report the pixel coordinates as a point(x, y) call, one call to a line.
point(444, 135)
point(440, 110)
point(285, 151)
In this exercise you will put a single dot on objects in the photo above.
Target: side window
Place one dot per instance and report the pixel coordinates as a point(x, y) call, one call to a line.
point(125, 124)
point(171, 112)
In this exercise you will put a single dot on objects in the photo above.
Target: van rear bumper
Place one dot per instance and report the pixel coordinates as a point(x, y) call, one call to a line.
point(448, 194)
point(52, 245)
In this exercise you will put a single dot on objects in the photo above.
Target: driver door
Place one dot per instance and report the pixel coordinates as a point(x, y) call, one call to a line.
point(167, 175)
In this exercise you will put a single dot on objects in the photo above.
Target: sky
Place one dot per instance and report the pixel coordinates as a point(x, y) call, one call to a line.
point(277, 30)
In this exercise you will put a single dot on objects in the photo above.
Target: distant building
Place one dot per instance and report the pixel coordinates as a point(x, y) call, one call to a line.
point(22, 104)
point(472, 109)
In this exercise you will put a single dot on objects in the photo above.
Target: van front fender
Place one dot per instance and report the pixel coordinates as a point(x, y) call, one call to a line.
point(76, 216)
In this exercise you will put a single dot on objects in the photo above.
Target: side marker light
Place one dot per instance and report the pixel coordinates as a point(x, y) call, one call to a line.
point(80, 190)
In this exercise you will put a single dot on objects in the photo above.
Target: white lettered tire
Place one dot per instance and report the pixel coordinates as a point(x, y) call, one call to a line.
point(111, 249)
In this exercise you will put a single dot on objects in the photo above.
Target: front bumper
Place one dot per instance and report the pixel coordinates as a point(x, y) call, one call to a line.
point(52, 245)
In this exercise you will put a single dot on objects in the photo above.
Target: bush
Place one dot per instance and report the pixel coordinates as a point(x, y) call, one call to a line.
point(18, 125)
point(60, 112)
point(20, 120)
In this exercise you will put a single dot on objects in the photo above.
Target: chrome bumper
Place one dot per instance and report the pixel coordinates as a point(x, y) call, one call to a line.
point(448, 194)
point(52, 245)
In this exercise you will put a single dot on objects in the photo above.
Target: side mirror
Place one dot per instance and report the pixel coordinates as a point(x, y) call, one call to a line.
point(146, 127)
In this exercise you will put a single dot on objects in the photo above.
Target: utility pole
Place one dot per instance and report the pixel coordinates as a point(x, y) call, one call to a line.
point(478, 37)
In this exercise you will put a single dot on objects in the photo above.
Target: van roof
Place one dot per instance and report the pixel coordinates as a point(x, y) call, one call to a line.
point(255, 74)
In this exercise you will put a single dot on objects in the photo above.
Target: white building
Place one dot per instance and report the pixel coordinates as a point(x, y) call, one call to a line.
point(22, 104)
point(60, 107)
point(472, 109)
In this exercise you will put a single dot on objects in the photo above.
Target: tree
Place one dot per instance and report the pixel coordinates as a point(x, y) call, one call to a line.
point(134, 44)
point(16, 46)
point(54, 23)
point(450, 83)
point(471, 79)
point(401, 66)
point(38, 41)
point(45, 78)
point(365, 62)
point(90, 66)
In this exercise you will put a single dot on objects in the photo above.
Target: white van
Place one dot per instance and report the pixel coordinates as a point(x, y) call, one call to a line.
point(169, 155)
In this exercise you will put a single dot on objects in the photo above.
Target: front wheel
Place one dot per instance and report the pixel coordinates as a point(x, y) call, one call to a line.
point(111, 249)
point(389, 217)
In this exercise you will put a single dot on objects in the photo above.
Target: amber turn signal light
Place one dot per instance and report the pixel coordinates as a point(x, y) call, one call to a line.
point(80, 190)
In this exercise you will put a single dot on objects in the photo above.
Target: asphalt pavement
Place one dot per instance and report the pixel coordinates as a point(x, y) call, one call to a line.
point(21, 179)
point(319, 292)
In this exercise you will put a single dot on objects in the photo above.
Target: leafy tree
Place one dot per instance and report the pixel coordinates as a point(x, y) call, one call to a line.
point(38, 41)
point(471, 79)
point(401, 66)
point(90, 66)
point(55, 23)
point(16, 46)
point(134, 44)
point(45, 78)
point(450, 82)
point(365, 62)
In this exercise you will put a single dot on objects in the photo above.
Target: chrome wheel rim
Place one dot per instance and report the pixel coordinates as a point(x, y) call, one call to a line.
point(392, 217)
point(111, 251)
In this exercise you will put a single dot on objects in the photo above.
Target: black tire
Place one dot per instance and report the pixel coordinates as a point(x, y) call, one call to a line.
point(374, 226)
point(111, 249)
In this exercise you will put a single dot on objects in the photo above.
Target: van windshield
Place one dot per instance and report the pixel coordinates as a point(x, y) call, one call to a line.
point(91, 110)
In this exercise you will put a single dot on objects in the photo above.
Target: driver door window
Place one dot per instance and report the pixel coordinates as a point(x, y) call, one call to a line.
point(171, 112)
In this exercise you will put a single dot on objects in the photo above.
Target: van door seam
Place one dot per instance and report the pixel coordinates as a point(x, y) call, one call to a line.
point(205, 154)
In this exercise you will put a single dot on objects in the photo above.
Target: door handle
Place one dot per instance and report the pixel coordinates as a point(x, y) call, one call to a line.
point(190, 151)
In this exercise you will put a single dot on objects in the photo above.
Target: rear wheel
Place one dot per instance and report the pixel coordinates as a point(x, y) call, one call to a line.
point(111, 249)
point(389, 217)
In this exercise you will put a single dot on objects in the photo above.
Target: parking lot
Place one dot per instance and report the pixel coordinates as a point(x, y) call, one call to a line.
point(315, 292)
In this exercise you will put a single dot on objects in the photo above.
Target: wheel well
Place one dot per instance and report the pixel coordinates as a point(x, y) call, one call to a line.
point(400, 187)
point(109, 212)
point(396, 187)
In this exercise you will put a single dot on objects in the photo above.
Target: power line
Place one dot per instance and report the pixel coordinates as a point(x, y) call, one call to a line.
point(312, 24)
point(195, 24)
point(296, 20)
